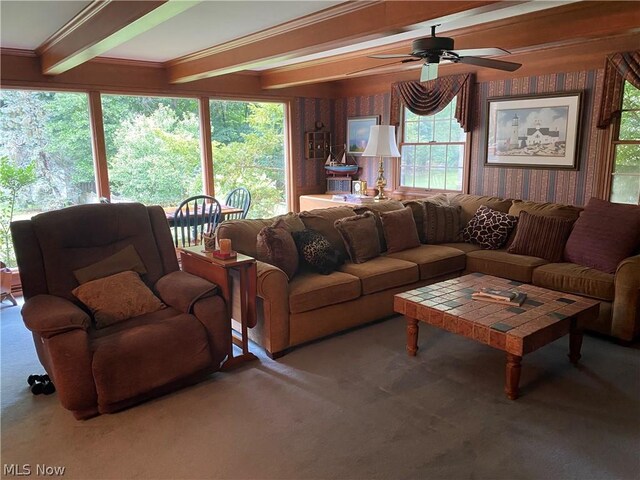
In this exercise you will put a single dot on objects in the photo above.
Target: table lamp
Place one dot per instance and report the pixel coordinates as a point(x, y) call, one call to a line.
point(382, 143)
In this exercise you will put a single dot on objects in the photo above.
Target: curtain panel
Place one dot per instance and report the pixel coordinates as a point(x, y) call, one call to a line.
point(430, 97)
point(618, 68)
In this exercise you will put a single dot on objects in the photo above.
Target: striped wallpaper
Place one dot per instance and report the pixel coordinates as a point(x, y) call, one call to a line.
point(562, 186)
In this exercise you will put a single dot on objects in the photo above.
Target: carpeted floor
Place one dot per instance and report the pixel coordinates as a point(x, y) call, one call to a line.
point(354, 406)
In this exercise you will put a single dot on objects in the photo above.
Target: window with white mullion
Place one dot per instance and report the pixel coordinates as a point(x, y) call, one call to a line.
point(625, 183)
point(437, 144)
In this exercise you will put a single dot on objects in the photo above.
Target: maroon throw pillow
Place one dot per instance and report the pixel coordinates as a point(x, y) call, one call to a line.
point(541, 236)
point(276, 246)
point(605, 234)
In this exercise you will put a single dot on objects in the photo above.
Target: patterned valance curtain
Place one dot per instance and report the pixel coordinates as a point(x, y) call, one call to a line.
point(430, 97)
point(619, 67)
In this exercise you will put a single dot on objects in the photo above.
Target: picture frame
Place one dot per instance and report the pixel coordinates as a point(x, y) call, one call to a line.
point(358, 133)
point(533, 131)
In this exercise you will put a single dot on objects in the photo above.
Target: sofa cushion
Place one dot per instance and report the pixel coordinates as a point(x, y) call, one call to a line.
point(360, 236)
point(605, 234)
point(503, 264)
point(540, 236)
point(317, 252)
point(578, 279)
point(376, 208)
point(544, 209)
point(433, 260)
point(382, 273)
point(164, 346)
point(442, 223)
point(125, 259)
point(399, 230)
point(117, 297)
point(471, 203)
point(309, 290)
point(322, 221)
point(489, 228)
point(276, 246)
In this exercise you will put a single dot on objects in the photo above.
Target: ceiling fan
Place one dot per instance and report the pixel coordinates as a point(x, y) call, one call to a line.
point(435, 50)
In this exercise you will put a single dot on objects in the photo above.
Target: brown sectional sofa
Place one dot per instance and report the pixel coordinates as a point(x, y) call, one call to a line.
point(311, 305)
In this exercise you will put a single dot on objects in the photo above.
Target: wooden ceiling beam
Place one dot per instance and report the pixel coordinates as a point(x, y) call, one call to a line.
point(330, 28)
point(101, 26)
point(558, 26)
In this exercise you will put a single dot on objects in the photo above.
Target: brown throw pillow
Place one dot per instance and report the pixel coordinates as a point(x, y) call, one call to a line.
point(125, 259)
point(489, 228)
point(442, 223)
point(117, 297)
point(376, 208)
point(605, 234)
point(400, 230)
point(276, 246)
point(290, 222)
point(360, 236)
point(541, 236)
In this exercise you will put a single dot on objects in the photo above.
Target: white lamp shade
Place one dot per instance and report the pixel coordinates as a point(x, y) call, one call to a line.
point(382, 142)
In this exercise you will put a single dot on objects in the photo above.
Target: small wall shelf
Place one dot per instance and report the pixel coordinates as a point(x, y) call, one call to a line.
point(317, 145)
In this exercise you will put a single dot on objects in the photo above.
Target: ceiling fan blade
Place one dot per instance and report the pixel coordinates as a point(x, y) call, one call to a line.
point(490, 63)
point(481, 52)
point(384, 65)
point(392, 55)
point(429, 72)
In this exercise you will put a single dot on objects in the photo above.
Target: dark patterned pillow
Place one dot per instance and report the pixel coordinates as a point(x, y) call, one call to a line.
point(316, 251)
point(442, 223)
point(489, 228)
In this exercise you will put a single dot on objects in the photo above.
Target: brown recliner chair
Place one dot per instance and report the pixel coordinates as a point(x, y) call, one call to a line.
point(107, 369)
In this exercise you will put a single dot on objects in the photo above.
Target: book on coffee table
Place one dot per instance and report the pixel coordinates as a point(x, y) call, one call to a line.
point(508, 297)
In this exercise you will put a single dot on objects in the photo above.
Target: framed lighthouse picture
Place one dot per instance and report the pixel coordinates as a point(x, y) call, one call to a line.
point(533, 131)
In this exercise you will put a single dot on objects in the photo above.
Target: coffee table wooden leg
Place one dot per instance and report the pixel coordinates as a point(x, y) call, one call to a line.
point(513, 376)
point(575, 342)
point(412, 336)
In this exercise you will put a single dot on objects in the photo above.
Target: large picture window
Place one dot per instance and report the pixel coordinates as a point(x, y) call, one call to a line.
point(153, 149)
point(625, 185)
point(248, 150)
point(46, 161)
point(433, 151)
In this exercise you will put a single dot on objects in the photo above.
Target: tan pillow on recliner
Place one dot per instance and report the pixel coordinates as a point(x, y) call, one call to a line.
point(117, 297)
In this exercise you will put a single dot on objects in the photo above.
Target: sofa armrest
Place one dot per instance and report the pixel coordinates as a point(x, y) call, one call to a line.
point(625, 323)
point(181, 290)
point(48, 315)
point(273, 290)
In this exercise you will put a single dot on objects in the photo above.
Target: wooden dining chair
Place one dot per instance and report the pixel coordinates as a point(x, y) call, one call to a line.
point(194, 217)
point(239, 198)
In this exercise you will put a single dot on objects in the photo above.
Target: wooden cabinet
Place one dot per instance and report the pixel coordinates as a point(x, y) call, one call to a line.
point(317, 145)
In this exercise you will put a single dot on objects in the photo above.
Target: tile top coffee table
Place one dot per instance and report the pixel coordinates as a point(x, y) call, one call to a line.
point(545, 316)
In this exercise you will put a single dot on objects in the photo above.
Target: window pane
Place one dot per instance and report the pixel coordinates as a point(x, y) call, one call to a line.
point(411, 132)
point(248, 151)
point(426, 130)
point(631, 97)
point(625, 189)
point(455, 156)
point(436, 178)
point(409, 116)
point(454, 179)
point(406, 175)
point(442, 128)
point(153, 149)
point(630, 125)
point(45, 154)
point(438, 155)
point(421, 178)
point(423, 154)
point(627, 159)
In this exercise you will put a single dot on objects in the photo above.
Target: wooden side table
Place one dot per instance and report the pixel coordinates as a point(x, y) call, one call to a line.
point(203, 264)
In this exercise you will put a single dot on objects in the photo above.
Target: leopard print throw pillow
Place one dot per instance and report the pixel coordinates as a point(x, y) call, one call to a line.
point(317, 252)
point(489, 228)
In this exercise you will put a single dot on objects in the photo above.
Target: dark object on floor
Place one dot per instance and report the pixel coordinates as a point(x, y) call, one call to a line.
point(41, 384)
